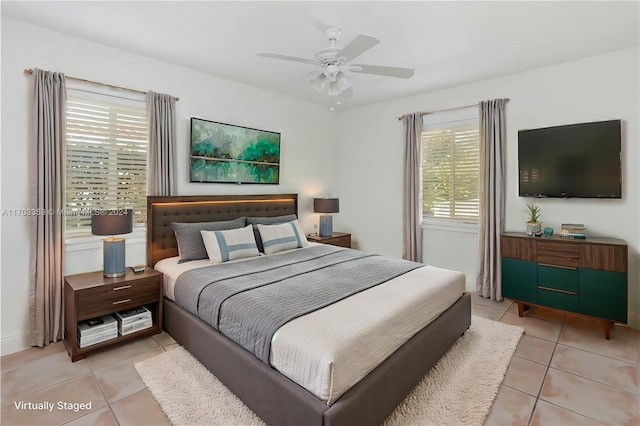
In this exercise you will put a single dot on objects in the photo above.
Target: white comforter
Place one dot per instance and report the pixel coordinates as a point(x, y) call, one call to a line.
point(330, 350)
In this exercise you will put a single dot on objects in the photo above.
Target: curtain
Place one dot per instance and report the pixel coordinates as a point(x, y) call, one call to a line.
point(493, 139)
point(161, 110)
point(46, 320)
point(412, 211)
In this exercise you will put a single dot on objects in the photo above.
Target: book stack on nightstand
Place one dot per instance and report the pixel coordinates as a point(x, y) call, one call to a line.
point(133, 320)
point(96, 330)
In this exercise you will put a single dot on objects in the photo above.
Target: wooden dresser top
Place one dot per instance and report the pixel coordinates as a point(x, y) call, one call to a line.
point(588, 240)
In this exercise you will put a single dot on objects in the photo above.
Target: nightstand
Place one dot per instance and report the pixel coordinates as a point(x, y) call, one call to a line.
point(92, 295)
point(341, 239)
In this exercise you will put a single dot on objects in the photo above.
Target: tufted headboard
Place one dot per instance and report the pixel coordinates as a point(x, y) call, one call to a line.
point(161, 211)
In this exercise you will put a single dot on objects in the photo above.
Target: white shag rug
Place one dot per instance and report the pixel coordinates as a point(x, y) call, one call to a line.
point(459, 389)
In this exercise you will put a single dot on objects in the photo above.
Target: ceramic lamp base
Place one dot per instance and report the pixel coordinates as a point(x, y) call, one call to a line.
point(326, 226)
point(114, 257)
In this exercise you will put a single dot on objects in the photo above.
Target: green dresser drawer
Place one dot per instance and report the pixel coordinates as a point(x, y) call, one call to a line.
point(556, 299)
point(603, 294)
point(519, 280)
point(558, 278)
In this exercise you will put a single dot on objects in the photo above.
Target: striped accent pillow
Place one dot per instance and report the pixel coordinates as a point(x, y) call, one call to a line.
point(189, 239)
point(284, 236)
point(223, 246)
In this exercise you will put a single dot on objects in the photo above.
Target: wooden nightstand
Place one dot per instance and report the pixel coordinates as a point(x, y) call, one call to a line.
point(341, 239)
point(92, 295)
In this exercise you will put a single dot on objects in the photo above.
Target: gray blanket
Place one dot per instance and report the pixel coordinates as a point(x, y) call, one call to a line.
point(249, 301)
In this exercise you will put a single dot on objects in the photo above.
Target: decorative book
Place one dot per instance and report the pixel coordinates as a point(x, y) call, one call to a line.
point(573, 230)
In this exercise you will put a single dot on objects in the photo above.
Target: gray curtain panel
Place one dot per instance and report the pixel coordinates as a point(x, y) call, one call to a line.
point(412, 211)
point(493, 139)
point(161, 111)
point(46, 320)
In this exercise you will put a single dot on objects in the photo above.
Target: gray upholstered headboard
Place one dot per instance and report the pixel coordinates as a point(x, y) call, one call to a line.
point(161, 211)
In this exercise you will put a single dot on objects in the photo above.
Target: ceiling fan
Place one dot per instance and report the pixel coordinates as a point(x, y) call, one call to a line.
point(334, 61)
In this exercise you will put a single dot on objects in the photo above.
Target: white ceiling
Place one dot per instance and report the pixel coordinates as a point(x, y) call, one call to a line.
point(447, 43)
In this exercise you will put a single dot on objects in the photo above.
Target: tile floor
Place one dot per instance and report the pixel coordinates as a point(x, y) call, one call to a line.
point(563, 373)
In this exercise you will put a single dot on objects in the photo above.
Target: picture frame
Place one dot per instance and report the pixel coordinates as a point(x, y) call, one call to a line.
point(225, 153)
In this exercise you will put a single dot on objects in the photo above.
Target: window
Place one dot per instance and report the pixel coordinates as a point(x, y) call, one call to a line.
point(450, 170)
point(107, 144)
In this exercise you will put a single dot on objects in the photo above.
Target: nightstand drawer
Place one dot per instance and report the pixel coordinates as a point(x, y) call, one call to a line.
point(103, 299)
point(339, 241)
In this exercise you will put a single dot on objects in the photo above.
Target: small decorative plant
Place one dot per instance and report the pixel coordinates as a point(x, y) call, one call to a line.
point(534, 227)
point(533, 213)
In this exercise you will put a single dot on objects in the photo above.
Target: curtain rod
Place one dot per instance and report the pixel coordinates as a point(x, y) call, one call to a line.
point(30, 71)
point(448, 109)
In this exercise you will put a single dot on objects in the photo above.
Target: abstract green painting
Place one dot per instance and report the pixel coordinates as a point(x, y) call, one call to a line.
point(233, 154)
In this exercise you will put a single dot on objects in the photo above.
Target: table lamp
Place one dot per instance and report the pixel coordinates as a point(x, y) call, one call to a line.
point(326, 206)
point(112, 222)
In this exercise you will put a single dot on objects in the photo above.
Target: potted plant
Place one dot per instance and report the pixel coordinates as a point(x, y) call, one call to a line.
point(534, 227)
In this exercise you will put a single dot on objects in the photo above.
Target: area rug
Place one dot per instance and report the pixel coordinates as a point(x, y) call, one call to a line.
point(459, 389)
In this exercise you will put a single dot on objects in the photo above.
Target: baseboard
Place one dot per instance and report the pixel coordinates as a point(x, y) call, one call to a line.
point(470, 287)
point(634, 320)
point(15, 343)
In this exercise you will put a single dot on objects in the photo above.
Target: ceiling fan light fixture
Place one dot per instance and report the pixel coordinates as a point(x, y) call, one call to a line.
point(343, 81)
point(334, 89)
point(319, 82)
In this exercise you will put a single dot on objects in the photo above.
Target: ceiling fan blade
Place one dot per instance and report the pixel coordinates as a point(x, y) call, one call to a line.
point(358, 46)
point(380, 70)
point(290, 58)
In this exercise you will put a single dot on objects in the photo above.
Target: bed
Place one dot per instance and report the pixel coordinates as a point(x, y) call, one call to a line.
point(273, 396)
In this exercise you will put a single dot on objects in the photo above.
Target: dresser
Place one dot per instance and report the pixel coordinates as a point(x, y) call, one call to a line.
point(583, 277)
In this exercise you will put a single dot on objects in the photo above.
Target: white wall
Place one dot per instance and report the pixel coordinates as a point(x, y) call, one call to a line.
point(370, 155)
point(306, 137)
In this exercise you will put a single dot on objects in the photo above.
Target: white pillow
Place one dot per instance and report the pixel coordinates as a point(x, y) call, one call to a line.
point(284, 236)
point(231, 244)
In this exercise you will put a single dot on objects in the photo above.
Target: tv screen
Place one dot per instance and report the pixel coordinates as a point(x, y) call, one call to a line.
point(578, 160)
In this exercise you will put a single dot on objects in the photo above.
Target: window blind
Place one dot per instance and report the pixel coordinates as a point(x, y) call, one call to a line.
point(450, 171)
point(106, 160)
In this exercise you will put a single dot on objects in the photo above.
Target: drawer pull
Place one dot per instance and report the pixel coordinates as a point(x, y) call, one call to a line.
point(121, 288)
point(573, 268)
point(573, 293)
point(121, 301)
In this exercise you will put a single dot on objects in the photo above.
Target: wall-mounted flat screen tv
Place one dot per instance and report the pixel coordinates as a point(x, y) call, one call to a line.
point(578, 160)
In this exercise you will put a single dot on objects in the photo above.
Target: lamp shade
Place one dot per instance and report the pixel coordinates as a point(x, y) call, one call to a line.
point(111, 222)
point(326, 205)
point(342, 81)
point(319, 81)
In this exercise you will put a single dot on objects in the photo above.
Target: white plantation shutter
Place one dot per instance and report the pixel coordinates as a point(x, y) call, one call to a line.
point(107, 145)
point(450, 169)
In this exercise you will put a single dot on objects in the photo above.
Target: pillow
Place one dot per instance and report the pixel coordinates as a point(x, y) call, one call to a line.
point(284, 236)
point(232, 244)
point(267, 221)
point(190, 245)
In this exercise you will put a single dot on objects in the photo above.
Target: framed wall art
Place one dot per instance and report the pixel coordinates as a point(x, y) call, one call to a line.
point(225, 153)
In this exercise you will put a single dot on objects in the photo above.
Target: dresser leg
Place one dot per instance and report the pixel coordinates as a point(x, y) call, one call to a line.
point(607, 329)
point(521, 308)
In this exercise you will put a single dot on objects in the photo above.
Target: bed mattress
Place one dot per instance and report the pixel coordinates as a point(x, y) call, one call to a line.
point(331, 349)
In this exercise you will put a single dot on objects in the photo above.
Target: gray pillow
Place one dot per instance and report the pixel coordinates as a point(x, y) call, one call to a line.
point(190, 244)
point(267, 221)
